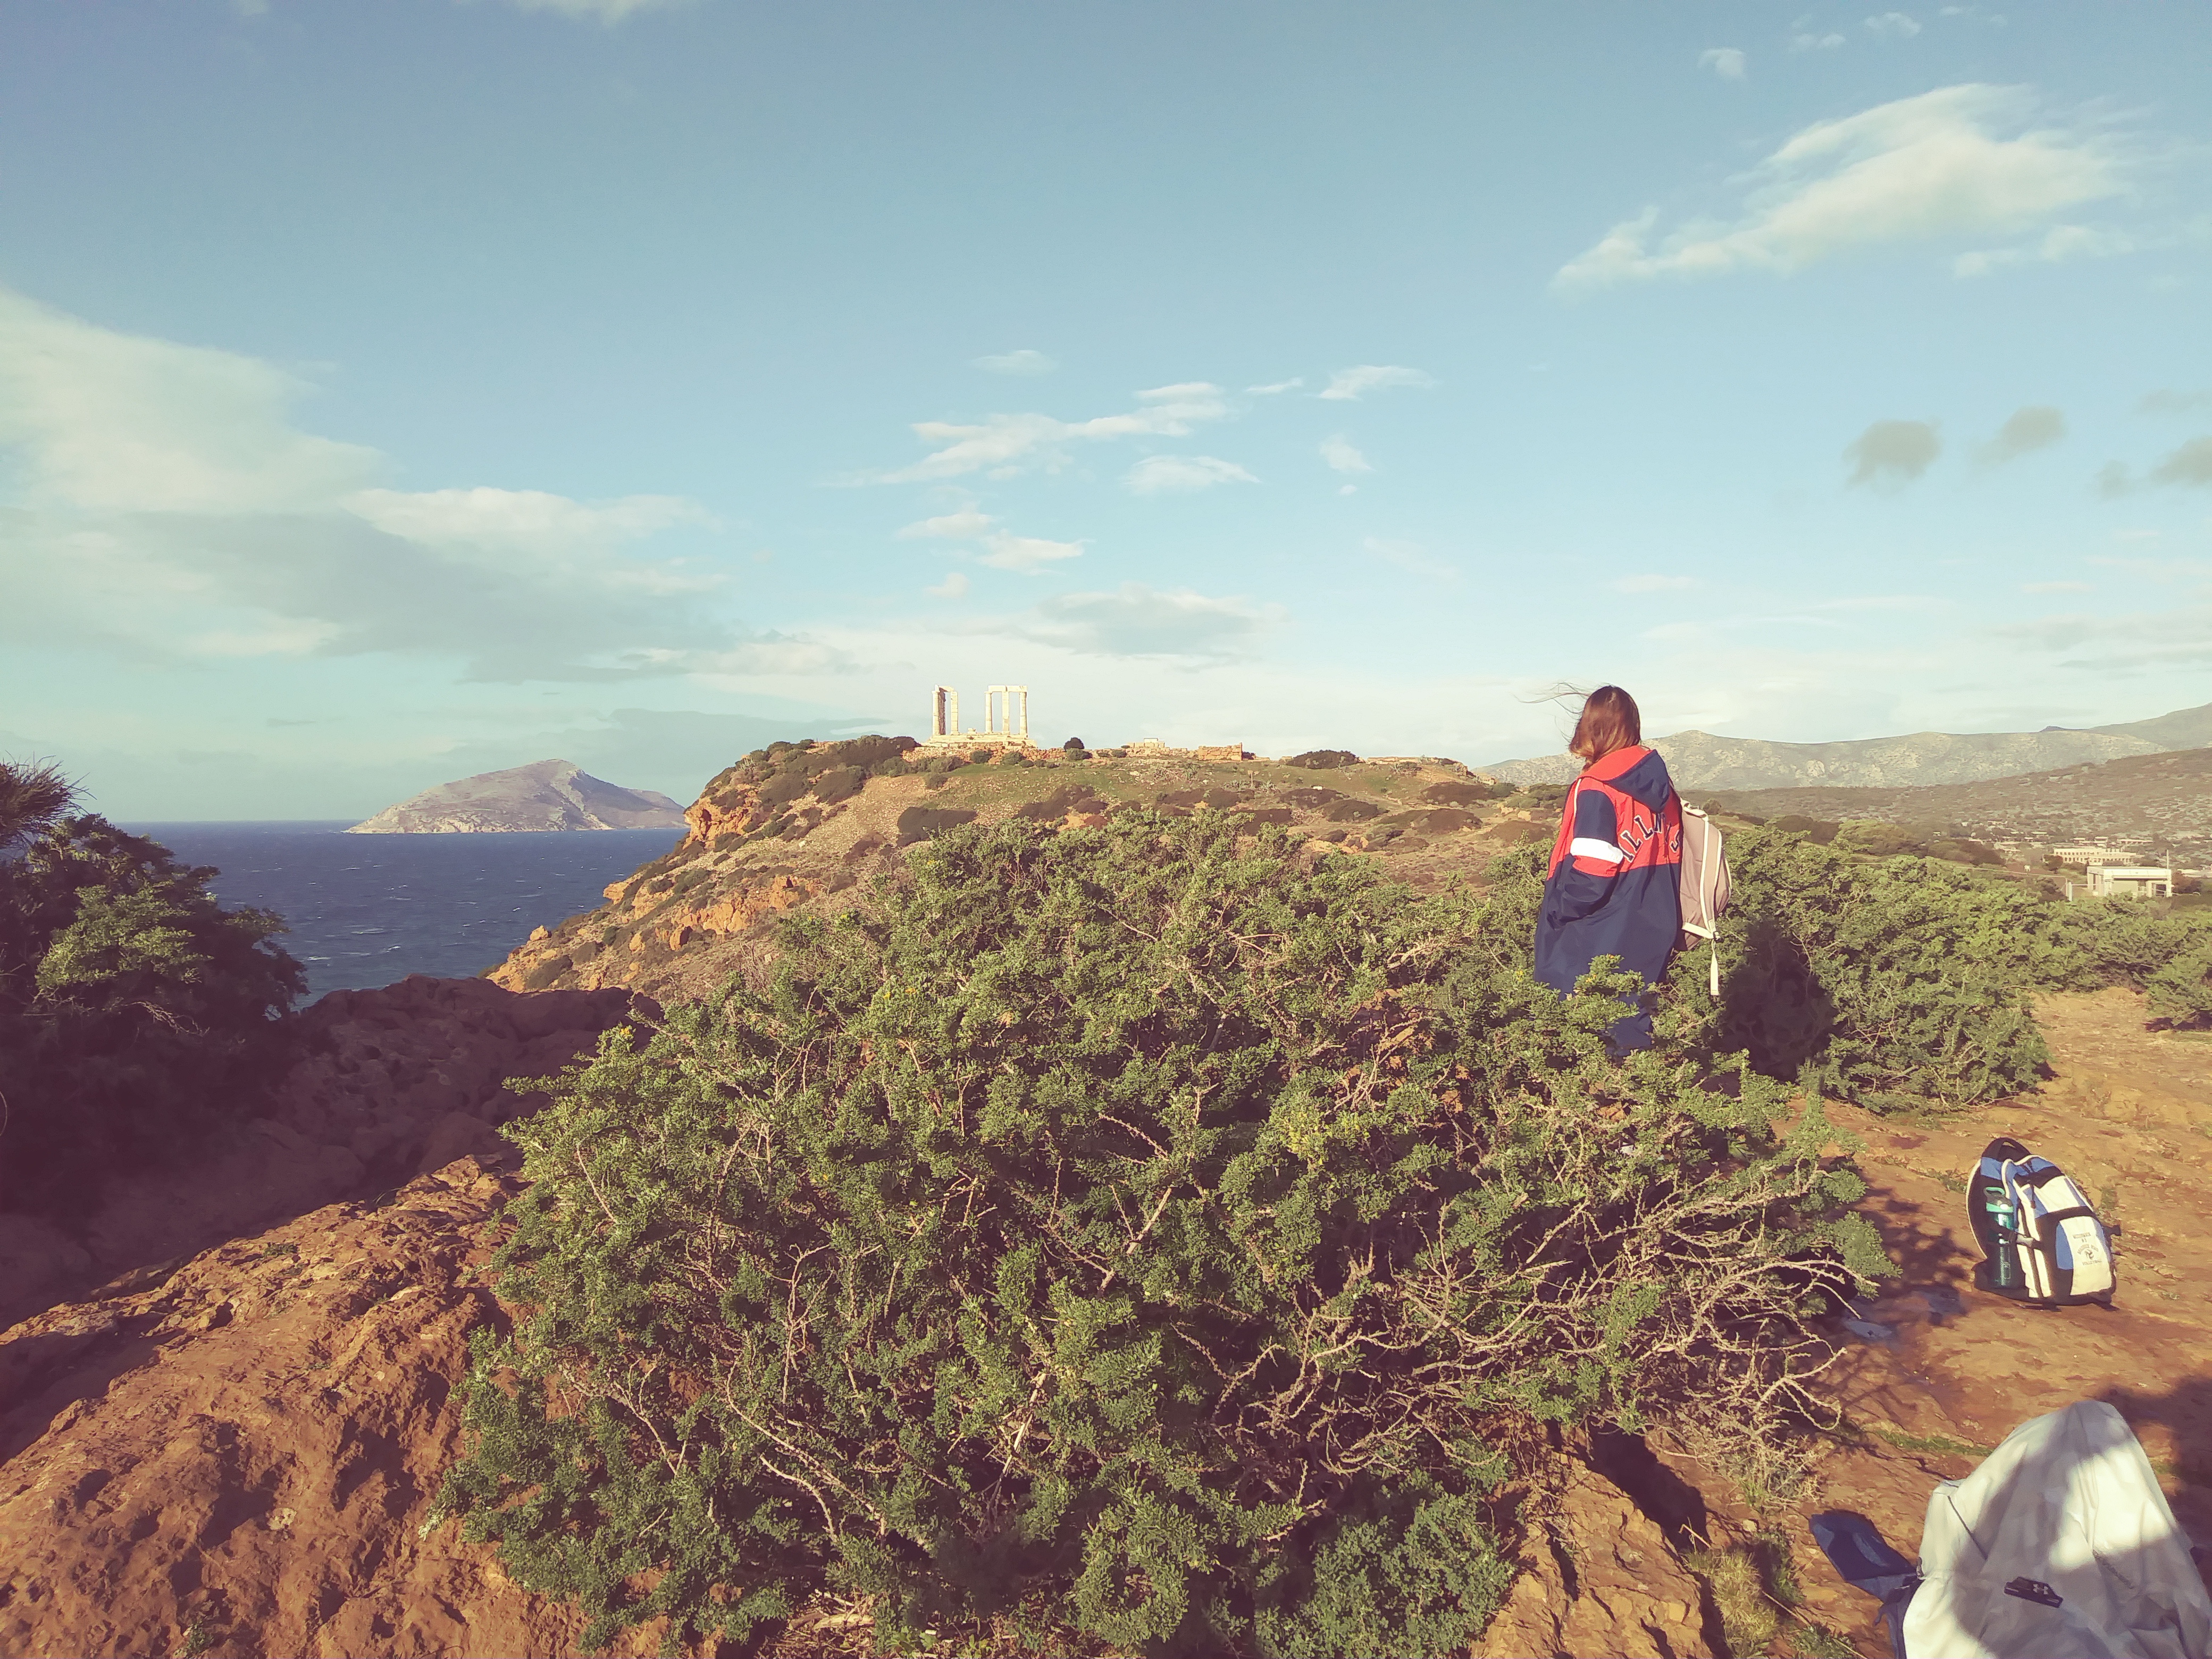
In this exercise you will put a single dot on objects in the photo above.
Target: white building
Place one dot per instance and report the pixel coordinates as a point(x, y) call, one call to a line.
point(2131, 881)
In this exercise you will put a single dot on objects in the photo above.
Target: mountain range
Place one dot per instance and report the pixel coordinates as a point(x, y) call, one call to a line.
point(1700, 760)
point(545, 795)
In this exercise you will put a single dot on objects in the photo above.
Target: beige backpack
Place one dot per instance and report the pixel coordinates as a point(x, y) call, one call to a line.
point(1705, 885)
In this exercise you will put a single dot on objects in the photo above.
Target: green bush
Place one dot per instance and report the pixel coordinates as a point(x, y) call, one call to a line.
point(1145, 1232)
point(1892, 982)
point(2181, 991)
point(1877, 840)
point(920, 822)
point(135, 1013)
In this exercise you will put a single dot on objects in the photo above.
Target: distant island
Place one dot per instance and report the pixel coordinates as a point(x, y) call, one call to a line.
point(545, 795)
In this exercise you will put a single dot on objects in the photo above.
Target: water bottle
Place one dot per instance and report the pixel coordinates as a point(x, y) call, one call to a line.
point(2004, 1258)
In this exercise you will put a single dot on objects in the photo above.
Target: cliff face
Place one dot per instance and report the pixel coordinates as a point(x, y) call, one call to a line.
point(546, 795)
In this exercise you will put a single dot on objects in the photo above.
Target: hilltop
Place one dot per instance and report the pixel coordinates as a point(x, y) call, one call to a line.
point(1698, 760)
point(545, 795)
point(811, 826)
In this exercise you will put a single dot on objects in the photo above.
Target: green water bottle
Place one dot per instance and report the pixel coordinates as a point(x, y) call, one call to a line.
point(2004, 1258)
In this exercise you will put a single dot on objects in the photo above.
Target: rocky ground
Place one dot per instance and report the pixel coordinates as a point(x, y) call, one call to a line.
point(389, 1083)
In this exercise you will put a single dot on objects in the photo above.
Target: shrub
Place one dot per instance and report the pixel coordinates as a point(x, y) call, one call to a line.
point(1876, 840)
point(1073, 745)
point(135, 1013)
point(920, 822)
point(1139, 1230)
point(1820, 831)
point(1905, 978)
point(2181, 991)
point(1907, 981)
point(841, 783)
point(1323, 760)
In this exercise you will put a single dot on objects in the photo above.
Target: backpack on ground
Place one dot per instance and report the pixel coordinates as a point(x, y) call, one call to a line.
point(2040, 1237)
point(1705, 885)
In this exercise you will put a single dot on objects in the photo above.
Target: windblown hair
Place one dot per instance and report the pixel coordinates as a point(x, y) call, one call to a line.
point(1609, 721)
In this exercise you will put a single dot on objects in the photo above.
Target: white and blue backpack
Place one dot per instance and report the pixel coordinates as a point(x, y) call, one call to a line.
point(2040, 1237)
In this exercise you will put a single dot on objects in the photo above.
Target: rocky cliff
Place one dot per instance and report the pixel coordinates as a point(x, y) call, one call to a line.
point(546, 795)
point(1701, 760)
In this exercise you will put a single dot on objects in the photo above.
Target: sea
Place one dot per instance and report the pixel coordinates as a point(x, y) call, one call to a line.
point(366, 910)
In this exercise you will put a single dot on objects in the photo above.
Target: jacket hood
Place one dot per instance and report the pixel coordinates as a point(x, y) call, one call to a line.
point(1637, 772)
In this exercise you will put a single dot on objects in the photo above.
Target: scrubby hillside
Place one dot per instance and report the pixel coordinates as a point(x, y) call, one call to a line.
point(2165, 797)
point(806, 827)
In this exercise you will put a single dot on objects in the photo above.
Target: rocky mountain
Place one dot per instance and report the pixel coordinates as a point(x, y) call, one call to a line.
point(547, 794)
point(1702, 760)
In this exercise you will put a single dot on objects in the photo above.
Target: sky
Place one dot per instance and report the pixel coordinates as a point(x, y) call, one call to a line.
point(392, 393)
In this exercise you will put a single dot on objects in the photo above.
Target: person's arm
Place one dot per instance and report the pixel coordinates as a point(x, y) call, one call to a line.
point(1594, 857)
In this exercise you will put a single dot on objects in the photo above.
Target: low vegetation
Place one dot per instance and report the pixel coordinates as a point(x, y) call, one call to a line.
point(135, 1013)
point(1154, 1234)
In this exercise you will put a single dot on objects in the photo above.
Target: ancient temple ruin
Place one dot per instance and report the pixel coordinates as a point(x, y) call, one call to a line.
point(1006, 719)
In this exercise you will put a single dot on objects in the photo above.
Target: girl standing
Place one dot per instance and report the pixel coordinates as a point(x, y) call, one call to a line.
point(1612, 888)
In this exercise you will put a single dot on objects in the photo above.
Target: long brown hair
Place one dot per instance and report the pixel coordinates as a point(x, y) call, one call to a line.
point(1609, 720)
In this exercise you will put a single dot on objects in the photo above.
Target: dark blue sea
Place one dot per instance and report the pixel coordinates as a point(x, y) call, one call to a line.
point(365, 910)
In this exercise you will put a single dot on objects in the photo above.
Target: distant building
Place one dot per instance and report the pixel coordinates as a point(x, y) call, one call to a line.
point(2087, 854)
point(2131, 881)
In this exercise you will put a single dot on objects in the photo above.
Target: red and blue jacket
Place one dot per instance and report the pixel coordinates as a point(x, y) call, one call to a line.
point(1614, 885)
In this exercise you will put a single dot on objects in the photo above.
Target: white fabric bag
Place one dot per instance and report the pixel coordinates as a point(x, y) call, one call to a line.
point(2060, 1546)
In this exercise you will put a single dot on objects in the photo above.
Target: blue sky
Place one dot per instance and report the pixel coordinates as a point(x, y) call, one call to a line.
point(393, 392)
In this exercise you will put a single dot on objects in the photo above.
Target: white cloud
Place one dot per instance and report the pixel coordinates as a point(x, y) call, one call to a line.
point(1158, 475)
point(1959, 160)
point(2059, 243)
point(1652, 584)
point(1027, 554)
point(524, 520)
point(1348, 384)
point(1276, 388)
point(606, 11)
point(1815, 42)
point(116, 422)
point(999, 444)
point(161, 502)
point(2037, 426)
point(1342, 457)
point(1410, 557)
point(964, 526)
point(1893, 451)
point(1893, 26)
point(1727, 62)
point(954, 586)
point(1023, 362)
point(1137, 621)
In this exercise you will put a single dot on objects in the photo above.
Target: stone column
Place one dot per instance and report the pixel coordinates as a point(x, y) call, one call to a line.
point(1025, 691)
